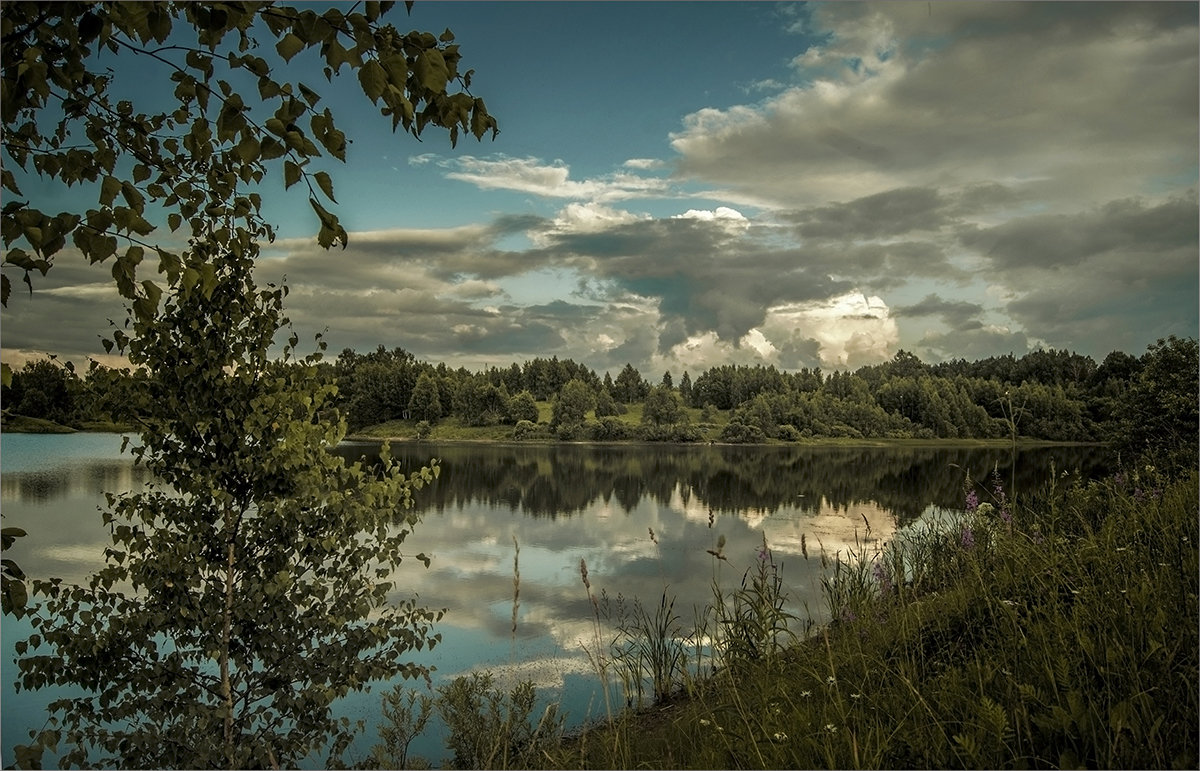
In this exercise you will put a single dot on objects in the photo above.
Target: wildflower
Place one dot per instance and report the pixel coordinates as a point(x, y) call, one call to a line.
point(705, 723)
point(972, 501)
point(831, 728)
point(831, 681)
point(856, 696)
point(805, 694)
point(1001, 498)
point(779, 736)
point(968, 538)
point(882, 578)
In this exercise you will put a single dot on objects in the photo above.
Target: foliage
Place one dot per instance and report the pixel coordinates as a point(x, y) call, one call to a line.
point(647, 646)
point(527, 429)
point(44, 389)
point(425, 403)
point(492, 729)
point(630, 386)
point(69, 117)
point(1066, 637)
point(663, 407)
point(76, 114)
point(14, 595)
point(480, 403)
point(754, 622)
point(522, 407)
point(573, 403)
point(247, 588)
point(606, 406)
point(405, 714)
point(736, 432)
point(1159, 411)
point(609, 429)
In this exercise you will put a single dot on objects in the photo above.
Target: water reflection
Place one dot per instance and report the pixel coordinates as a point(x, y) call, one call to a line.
point(561, 504)
point(557, 481)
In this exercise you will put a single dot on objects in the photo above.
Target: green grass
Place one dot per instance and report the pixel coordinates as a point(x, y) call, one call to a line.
point(20, 424)
point(1066, 637)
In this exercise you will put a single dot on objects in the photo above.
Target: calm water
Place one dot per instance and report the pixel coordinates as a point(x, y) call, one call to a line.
point(560, 504)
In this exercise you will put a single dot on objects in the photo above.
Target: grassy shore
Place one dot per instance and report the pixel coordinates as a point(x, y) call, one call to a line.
point(1057, 631)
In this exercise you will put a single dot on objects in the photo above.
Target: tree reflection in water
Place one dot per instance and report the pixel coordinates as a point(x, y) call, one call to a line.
point(563, 480)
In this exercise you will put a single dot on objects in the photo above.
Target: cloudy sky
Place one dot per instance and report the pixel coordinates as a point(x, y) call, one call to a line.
point(681, 185)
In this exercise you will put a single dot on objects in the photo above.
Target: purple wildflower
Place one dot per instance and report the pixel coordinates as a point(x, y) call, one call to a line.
point(972, 502)
point(882, 578)
point(1001, 498)
point(968, 538)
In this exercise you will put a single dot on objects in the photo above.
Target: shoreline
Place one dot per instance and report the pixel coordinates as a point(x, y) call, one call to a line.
point(22, 425)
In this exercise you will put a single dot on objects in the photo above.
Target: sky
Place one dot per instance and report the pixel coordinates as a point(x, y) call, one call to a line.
point(682, 185)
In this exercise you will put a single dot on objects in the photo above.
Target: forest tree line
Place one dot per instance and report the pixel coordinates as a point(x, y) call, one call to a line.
point(1046, 394)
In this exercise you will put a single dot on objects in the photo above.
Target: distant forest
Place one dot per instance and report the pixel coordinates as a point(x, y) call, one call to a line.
point(1055, 395)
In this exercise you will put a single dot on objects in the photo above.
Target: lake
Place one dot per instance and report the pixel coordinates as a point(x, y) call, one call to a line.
point(558, 504)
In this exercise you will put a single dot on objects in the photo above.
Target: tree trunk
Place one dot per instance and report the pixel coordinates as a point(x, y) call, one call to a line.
point(226, 628)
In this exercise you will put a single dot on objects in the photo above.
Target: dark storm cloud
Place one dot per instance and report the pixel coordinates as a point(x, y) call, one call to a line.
point(955, 314)
point(705, 274)
point(68, 310)
point(892, 213)
point(973, 344)
point(1129, 227)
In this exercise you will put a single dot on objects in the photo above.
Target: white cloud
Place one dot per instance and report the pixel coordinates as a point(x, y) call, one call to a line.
point(851, 330)
point(644, 164)
point(1094, 98)
point(720, 213)
point(547, 180)
point(592, 217)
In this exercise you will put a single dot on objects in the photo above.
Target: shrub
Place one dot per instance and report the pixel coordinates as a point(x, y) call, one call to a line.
point(608, 429)
point(526, 429)
point(740, 433)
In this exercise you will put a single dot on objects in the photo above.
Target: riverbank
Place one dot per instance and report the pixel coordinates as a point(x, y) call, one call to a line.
point(1061, 632)
point(452, 431)
point(21, 424)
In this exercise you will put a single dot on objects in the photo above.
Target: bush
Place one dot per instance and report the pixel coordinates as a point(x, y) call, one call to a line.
point(526, 429)
point(608, 429)
point(678, 432)
point(493, 729)
point(789, 433)
point(740, 433)
point(522, 407)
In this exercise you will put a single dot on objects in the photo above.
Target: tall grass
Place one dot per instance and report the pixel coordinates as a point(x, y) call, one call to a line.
point(1057, 632)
